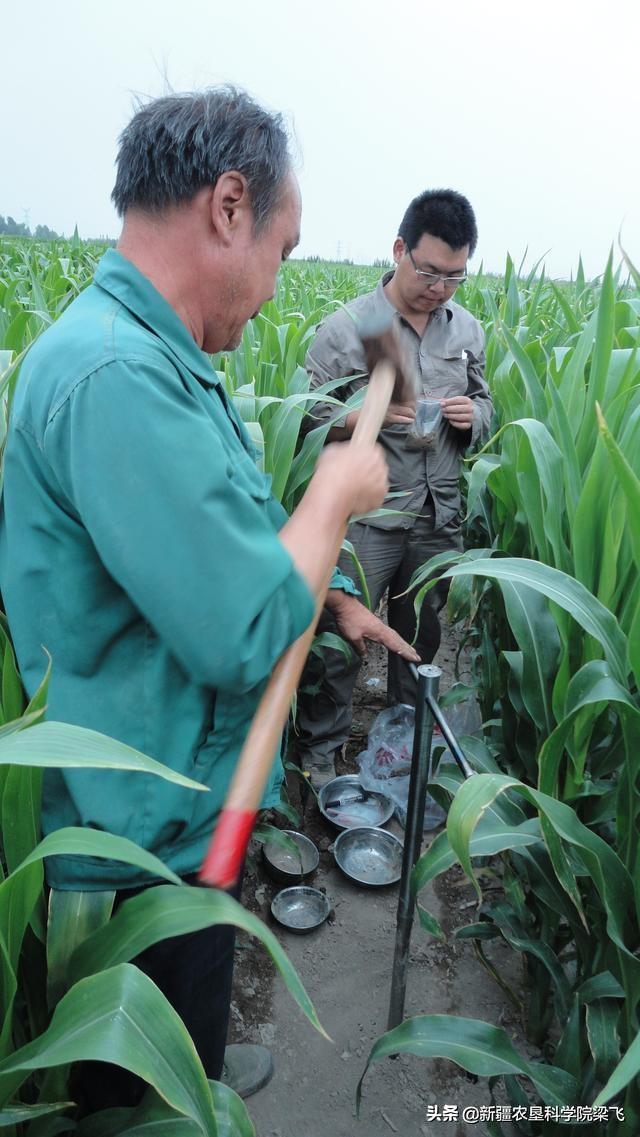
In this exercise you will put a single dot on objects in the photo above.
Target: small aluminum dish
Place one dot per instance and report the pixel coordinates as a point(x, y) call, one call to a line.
point(347, 805)
point(290, 865)
point(369, 856)
point(300, 909)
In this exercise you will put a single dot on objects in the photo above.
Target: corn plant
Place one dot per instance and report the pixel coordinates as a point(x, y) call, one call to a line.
point(69, 992)
point(551, 595)
point(557, 500)
point(266, 377)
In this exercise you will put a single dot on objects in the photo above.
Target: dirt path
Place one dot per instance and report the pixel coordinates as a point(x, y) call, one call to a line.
point(346, 967)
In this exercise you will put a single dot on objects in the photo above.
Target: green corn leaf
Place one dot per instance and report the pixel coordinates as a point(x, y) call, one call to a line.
point(76, 841)
point(57, 744)
point(25, 720)
point(232, 1118)
point(537, 636)
point(333, 642)
point(610, 878)
point(592, 688)
point(591, 516)
point(518, 938)
point(13, 1114)
point(361, 579)
point(565, 439)
point(121, 1017)
point(20, 813)
point(160, 912)
point(154, 1118)
point(484, 930)
point(630, 484)
point(475, 1046)
point(602, 350)
point(602, 1017)
point(534, 392)
point(73, 915)
point(563, 590)
point(38, 702)
point(568, 1054)
point(627, 1069)
point(493, 835)
point(601, 986)
point(482, 469)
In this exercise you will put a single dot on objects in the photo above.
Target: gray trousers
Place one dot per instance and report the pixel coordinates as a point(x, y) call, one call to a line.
point(389, 557)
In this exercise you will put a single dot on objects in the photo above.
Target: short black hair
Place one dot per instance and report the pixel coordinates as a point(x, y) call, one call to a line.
point(442, 213)
point(177, 144)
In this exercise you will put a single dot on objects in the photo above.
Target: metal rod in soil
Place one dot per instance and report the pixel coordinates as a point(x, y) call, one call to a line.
point(428, 682)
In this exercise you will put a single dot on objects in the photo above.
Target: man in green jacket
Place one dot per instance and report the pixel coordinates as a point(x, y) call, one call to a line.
point(139, 543)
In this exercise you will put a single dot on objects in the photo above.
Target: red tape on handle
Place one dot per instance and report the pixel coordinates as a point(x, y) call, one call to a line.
point(226, 852)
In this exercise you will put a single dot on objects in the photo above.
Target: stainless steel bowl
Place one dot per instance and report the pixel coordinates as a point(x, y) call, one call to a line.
point(300, 909)
point(346, 804)
point(292, 861)
point(369, 856)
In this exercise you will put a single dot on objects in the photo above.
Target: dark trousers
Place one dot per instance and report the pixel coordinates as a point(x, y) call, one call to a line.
point(388, 559)
point(195, 973)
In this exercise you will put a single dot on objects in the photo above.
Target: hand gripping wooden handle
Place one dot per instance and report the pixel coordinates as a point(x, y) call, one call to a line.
point(228, 847)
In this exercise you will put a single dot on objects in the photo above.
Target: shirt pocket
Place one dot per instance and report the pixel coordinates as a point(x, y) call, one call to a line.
point(449, 375)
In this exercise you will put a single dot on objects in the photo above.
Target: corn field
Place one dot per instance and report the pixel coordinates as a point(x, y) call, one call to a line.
point(547, 597)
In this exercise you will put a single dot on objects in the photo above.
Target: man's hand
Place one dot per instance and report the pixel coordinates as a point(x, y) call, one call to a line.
point(397, 413)
point(357, 624)
point(400, 413)
point(358, 477)
point(458, 411)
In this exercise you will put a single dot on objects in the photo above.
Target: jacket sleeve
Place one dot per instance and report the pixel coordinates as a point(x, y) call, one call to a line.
point(335, 353)
point(478, 392)
point(179, 518)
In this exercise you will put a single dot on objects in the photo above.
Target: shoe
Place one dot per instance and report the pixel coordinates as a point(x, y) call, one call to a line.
point(247, 1068)
point(319, 773)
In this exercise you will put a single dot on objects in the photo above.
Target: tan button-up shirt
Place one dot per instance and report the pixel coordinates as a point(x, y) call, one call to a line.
point(449, 357)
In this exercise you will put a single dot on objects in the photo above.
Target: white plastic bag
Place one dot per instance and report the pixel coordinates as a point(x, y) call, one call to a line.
point(386, 763)
point(423, 432)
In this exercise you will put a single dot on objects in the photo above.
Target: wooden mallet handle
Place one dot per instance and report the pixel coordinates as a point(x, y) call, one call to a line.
point(228, 846)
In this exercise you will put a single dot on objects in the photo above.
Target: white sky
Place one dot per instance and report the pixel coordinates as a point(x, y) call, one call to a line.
point(530, 110)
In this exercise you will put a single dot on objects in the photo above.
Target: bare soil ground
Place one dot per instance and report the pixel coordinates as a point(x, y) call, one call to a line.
point(346, 967)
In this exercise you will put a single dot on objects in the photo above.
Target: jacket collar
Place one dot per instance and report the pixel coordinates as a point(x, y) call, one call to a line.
point(122, 280)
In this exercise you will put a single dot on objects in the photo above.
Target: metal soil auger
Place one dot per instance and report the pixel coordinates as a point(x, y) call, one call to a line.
point(389, 376)
point(427, 712)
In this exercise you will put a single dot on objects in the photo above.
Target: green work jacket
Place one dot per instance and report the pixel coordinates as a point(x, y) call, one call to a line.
point(138, 545)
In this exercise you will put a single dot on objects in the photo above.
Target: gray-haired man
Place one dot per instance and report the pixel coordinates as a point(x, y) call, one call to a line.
point(167, 578)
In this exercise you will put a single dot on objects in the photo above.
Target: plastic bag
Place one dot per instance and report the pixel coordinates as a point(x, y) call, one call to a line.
point(423, 432)
point(464, 717)
point(386, 763)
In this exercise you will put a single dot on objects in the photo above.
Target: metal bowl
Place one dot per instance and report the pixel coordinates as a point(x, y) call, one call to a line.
point(287, 865)
point(369, 856)
point(300, 909)
point(346, 804)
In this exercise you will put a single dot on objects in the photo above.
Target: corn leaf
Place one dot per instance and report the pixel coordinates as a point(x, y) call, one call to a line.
point(475, 1046)
point(120, 1016)
point(160, 912)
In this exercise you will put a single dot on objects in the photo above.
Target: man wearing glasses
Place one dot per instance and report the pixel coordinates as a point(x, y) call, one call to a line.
point(424, 444)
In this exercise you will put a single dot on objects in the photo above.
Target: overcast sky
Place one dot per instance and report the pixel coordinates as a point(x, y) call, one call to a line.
point(530, 110)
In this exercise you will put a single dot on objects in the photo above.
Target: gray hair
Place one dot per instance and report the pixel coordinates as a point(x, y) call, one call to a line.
point(175, 145)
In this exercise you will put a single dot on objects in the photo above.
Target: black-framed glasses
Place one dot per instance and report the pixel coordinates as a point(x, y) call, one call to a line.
point(431, 278)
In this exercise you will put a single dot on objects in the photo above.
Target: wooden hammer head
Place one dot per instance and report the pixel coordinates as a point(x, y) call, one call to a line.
point(380, 340)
